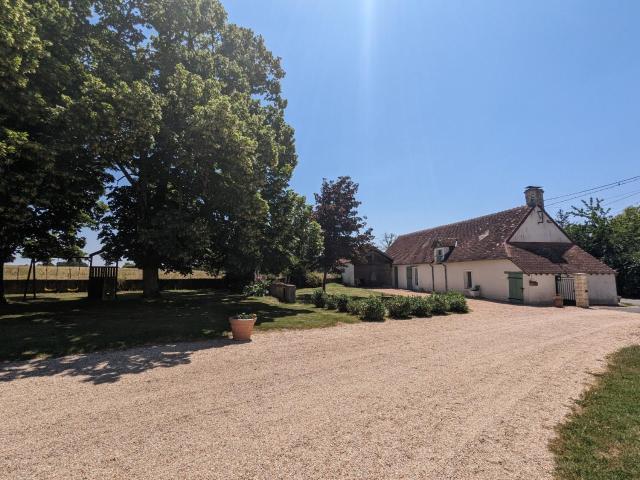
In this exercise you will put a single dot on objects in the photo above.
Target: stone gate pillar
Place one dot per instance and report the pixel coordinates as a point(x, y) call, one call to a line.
point(581, 284)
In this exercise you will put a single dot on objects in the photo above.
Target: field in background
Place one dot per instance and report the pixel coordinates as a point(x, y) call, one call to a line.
point(19, 272)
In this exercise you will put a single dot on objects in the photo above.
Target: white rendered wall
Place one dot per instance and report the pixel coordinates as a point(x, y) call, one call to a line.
point(542, 293)
point(602, 290)
point(348, 274)
point(534, 231)
point(402, 276)
point(490, 275)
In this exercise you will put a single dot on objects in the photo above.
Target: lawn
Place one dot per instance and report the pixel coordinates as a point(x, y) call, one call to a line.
point(601, 439)
point(338, 288)
point(64, 324)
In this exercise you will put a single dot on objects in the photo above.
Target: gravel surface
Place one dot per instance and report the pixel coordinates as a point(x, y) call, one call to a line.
point(466, 396)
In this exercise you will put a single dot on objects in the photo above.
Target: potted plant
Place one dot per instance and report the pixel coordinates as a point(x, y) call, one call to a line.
point(558, 301)
point(474, 291)
point(242, 325)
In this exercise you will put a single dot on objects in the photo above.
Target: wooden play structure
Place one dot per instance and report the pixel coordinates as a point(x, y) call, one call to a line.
point(102, 283)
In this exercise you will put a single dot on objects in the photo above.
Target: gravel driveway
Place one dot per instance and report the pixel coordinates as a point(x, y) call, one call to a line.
point(466, 396)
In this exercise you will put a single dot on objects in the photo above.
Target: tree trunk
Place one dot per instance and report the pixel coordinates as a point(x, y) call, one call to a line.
point(150, 283)
point(324, 280)
point(3, 299)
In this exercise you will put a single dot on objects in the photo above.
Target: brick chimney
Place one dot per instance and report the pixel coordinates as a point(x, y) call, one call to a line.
point(534, 196)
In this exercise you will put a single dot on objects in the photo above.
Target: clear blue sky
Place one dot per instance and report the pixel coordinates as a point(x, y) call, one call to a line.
point(445, 110)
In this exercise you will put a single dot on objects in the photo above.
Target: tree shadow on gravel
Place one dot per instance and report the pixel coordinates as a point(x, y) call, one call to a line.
point(108, 367)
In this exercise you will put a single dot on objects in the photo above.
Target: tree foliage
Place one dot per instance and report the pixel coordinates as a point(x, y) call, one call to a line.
point(613, 239)
point(345, 231)
point(197, 131)
point(50, 179)
point(177, 111)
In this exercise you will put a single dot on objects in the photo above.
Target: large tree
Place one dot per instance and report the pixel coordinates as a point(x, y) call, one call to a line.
point(345, 231)
point(49, 177)
point(197, 133)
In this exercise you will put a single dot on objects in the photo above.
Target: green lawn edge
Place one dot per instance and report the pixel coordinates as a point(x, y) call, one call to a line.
point(600, 439)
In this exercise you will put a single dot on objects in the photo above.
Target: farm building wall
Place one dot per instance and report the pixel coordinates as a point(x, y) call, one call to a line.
point(490, 275)
point(602, 290)
point(348, 277)
point(539, 289)
point(372, 270)
point(538, 227)
point(373, 275)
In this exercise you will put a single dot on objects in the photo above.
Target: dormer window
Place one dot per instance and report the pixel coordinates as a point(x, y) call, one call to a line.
point(440, 253)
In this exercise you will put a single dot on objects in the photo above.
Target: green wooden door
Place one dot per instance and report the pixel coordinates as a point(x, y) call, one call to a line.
point(395, 277)
point(409, 278)
point(516, 289)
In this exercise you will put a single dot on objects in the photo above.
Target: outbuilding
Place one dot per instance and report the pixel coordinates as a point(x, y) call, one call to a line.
point(372, 268)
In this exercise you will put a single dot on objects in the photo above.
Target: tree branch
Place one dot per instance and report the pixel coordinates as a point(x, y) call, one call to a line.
point(126, 173)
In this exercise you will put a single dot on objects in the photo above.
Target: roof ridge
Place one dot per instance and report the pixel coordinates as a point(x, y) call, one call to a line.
point(465, 221)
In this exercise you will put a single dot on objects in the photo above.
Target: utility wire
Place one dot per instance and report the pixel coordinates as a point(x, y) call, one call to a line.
point(591, 191)
point(598, 188)
point(619, 198)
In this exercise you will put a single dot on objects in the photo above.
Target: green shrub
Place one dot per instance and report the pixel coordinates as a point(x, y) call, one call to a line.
point(257, 289)
point(438, 304)
point(353, 306)
point(313, 279)
point(456, 302)
point(319, 298)
point(421, 307)
point(342, 302)
point(331, 302)
point(400, 307)
point(372, 309)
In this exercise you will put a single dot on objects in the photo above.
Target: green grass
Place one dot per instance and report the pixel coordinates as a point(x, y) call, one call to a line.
point(64, 324)
point(337, 289)
point(601, 438)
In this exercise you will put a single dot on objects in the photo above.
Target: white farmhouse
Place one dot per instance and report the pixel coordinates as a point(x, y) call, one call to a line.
point(519, 255)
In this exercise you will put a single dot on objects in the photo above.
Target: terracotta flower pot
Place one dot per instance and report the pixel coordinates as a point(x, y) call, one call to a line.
point(242, 328)
point(558, 301)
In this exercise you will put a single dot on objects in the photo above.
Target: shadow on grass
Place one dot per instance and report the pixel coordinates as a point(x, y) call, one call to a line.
point(30, 331)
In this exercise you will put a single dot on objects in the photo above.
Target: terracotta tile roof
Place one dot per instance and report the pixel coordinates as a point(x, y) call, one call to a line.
point(554, 258)
point(481, 238)
point(486, 238)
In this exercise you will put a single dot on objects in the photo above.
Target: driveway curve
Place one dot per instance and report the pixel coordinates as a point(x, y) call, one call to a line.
point(464, 396)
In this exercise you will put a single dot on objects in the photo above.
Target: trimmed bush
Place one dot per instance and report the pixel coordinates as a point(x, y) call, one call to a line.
point(257, 289)
point(456, 302)
point(331, 302)
point(400, 307)
point(319, 298)
point(438, 304)
point(313, 279)
point(342, 302)
point(372, 310)
point(421, 307)
point(353, 306)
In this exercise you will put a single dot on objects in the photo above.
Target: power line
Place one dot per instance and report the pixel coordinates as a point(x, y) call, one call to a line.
point(606, 186)
point(620, 198)
point(591, 191)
